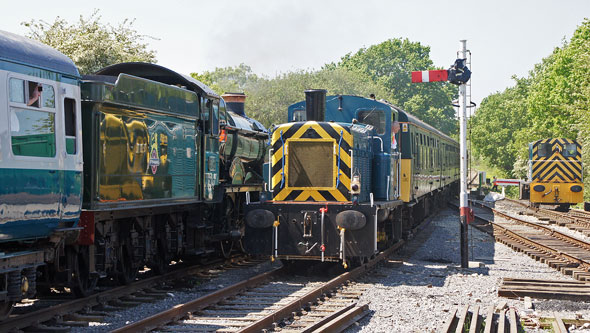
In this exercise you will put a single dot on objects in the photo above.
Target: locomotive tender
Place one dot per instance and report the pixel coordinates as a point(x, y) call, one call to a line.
point(554, 173)
point(103, 174)
point(340, 187)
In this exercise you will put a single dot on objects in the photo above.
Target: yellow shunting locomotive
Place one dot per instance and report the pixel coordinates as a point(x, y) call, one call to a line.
point(554, 173)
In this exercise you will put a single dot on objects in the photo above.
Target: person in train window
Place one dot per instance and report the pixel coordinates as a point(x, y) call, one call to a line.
point(394, 130)
point(35, 90)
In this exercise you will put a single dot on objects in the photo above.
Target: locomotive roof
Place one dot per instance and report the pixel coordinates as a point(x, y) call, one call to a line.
point(23, 50)
point(157, 73)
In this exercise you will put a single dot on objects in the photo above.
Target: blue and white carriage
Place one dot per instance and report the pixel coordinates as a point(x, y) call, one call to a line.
point(40, 160)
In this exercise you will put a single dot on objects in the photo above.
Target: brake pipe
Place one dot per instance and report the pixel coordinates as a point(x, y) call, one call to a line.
point(276, 236)
point(323, 210)
point(343, 247)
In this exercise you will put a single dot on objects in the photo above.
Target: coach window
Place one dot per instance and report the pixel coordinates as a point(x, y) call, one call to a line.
point(32, 132)
point(569, 150)
point(373, 117)
point(17, 90)
point(70, 124)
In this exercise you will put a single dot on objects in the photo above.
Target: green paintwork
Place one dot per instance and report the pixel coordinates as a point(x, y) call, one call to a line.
point(139, 144)
point(137, 92)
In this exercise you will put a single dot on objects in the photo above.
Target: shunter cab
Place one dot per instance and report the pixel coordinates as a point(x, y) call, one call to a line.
point(332, 182)
point(554, 173)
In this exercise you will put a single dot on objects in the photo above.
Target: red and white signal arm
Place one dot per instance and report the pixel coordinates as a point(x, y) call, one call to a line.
point(430, 76)
point(507, 182)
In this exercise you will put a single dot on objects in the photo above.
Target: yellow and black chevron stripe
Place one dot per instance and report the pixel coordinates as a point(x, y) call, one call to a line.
point(555, 167)
point(310, 131)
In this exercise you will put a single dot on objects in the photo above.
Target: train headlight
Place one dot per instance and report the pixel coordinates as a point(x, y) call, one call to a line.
point(355, 185)
point(539, 188)
point(576, 188)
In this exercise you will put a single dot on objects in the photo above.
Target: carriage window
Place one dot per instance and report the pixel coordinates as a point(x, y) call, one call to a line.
point(544, 150)
point(32, 93)
point(47, 96)
point(569, 150)
point(373, 117)
point(70, 124)
point(17, 90)
point(32, 132)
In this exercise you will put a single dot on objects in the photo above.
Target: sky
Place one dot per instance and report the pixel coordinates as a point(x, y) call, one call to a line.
point(505, 37)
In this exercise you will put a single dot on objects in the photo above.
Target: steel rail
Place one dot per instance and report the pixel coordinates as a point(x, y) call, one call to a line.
point(553, 233)
point(313, 295)
point(181, 310)
point(40, 316)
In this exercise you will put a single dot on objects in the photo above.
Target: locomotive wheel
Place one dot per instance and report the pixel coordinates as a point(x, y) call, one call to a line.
point(127, 272)
point(83, 283)
point(5, 309)
point(226, 247)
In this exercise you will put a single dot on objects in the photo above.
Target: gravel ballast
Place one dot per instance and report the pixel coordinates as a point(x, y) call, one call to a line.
point(417, 296)
point(199, 288)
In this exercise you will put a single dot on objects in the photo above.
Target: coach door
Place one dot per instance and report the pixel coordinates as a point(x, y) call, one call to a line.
point(71, 174)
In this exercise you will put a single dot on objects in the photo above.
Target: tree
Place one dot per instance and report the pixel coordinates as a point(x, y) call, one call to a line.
point(390, 63)
point(228, 79)
point(91, 44)
point(268, 98)
point(497, 125)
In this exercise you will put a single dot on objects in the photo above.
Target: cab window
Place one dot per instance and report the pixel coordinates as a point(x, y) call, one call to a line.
point(569, 150)
point(373, 117)
point(299, 115)
point(544, 150)
point(215, 119)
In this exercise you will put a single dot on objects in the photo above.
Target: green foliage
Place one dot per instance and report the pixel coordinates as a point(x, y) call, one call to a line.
point(390, 63)
point(268, 99)
point(495, 125)
point(91, 44)
point(383, 70)
point(553, 101)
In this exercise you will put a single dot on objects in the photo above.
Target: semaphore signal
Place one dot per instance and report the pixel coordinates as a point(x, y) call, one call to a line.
point(458, 74)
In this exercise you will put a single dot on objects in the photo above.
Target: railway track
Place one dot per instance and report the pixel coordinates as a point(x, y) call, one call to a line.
point(262, 303)
point(568, 254)
point(577, 220)
point(266, 302)
point(95, 308)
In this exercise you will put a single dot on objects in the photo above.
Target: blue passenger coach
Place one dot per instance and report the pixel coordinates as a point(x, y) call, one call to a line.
point(40, 157)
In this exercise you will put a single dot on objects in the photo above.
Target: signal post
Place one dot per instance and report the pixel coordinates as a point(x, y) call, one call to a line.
point(465, 211)
point(458, 74)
